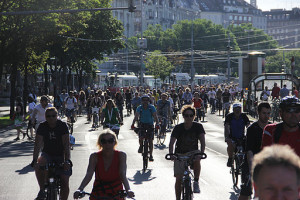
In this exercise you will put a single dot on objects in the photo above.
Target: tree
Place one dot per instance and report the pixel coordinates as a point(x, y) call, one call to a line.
point(158, 65)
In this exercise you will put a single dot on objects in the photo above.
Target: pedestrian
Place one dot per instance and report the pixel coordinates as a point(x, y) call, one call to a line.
point(109, 167)
point(18, 118)
point(31, 123)
point(284, 92)
point(276, 173)
point(275, 91)
point(265, 94)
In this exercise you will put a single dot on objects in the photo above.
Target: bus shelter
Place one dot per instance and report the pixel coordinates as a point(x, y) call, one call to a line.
point(258, 83)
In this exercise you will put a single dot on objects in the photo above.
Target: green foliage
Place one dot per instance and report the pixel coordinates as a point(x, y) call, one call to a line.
point(158, 65)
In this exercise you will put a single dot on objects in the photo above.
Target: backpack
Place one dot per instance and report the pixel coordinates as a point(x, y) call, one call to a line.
point(142, 111)
point(278, 131)
point(69, 98)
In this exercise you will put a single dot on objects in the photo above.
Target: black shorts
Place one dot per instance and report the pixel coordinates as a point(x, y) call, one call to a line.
point(146, 131)
point(246, 185)
point(58, 159)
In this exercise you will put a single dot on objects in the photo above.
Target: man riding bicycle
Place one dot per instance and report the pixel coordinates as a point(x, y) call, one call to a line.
point(70, 105)
point(186, 136)
point(53, 138)
point(226, 101)
point(146, 114)
point(164, 110)
point(235, 124)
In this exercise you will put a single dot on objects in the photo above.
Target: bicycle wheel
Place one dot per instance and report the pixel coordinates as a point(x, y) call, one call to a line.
point(52, 193)
point(235, 171)
point(145, 155)
point(187, 193)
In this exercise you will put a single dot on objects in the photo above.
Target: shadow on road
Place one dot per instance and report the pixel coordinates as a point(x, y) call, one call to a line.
point(16, 148)
point(235, 194)
point(25, 170)
point(141, 177)
point(160, 146)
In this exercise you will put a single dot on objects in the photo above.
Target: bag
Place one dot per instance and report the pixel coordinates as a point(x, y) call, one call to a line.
point(72, 139)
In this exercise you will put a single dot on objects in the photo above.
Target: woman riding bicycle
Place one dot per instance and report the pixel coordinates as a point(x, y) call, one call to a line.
point(109, 166)
point(110, 116)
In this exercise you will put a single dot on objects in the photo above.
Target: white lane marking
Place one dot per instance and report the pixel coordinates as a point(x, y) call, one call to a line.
point(216, 152)
point(203, 181)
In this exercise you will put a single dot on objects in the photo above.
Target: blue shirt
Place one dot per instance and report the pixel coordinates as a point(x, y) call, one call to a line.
point(136, 101)
point(146, 114)
point(237, 126)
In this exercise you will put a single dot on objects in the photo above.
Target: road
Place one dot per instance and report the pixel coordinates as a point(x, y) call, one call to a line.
point(18, 180)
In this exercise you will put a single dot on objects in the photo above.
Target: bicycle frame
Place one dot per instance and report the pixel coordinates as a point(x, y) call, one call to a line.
point(238, 161)
point(53, 181)
point(186, 184)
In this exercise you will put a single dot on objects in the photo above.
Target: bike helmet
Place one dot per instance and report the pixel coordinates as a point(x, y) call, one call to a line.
point(289, 101)
point(145, 96)
point(236, 105)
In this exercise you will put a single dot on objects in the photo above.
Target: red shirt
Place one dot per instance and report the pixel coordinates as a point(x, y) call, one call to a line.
point(108, 180)
point(290, 138)
point(275, 92)
point(197, 104)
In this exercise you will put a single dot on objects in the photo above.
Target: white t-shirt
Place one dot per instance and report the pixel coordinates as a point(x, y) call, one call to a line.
point(70, 103)
point(211, 94)
point(39, 112)
point(31, 107)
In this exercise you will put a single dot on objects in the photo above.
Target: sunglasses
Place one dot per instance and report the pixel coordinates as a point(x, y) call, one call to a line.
point(292, 110)
point(48, 116)
point(108, 141)
point(188, 115)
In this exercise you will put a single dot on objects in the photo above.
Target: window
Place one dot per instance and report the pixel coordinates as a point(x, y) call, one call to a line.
point(240, 18)
point(230, 17)
point(224, 1)
point(249, 19)
point(235, 17)
point(245, 18)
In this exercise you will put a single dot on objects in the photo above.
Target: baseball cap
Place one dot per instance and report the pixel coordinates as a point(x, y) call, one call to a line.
point(237, 105)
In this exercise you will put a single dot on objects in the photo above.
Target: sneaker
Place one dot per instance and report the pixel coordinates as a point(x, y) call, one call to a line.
point(229, 162)
point(140, 149)
point(196, 187)
point(151, 158)
point(41, 195)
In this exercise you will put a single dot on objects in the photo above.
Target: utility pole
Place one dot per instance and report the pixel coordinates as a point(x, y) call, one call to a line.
point(192, 55)
point(142, 51)
point(228, 57)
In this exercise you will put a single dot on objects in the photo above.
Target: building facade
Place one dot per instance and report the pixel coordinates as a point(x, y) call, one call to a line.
point(236, 12)
point(284, 26)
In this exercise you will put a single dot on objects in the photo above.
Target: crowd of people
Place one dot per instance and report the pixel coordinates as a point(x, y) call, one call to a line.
point(149, 108)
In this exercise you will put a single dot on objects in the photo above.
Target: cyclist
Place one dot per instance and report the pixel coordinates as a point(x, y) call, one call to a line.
point(205, 99)
point(253, 146)
point(212, 99)
point(119, 103)
point(109, 167)
point(186, 136)
point(128, 97)
point(63, 96)
point(89, 105)
point(38, 114)
point(187, 96)
point(235, 124)
point(155, 95)
point(70, 105)
point(81, 101)
point(53, 138)
point(219, 99)
point(110, 116)
point(287, 132)
point(197, 103)
point(225, 100)
point(164, 110)
point(96, 103)
point(136, 101)
point(146, 114)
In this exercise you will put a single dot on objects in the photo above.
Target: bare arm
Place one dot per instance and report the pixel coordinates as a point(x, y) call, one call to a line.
point(90, 171)
point(38, 144)
point(171, 145)
point(202, 142)
point(123, 169)
point(136, 117)
point(66, 146)
point(249, 159)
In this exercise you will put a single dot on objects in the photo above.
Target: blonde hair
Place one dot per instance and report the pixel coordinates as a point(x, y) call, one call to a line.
point(104, 133)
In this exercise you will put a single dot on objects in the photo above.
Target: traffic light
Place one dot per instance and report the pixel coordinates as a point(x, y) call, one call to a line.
point(131, 7)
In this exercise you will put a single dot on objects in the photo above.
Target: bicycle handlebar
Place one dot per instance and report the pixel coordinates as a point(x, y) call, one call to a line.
point(203, 155)
point(121, 194)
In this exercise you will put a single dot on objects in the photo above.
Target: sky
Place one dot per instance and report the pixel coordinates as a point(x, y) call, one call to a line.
point(266, 5)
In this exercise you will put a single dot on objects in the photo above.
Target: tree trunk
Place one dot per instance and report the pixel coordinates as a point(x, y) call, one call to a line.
point(13, 78)
point(25, 86)
point(46, 84)
point(1, 69)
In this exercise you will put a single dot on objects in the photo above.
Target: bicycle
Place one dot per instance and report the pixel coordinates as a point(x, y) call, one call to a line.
point(161, 136)
point(175, 116)
point(219, 106)
point(53, 184)
point(71, 122)
point(128, 107)
point(120, 194)
point(95, 114)
point(146, 133)
point(237, 161)
point(114, 127)
point(186, 184)
point(226, 109)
